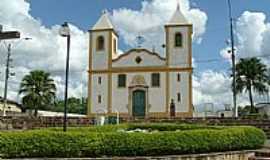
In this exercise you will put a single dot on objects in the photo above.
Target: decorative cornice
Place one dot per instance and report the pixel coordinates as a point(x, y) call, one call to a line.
point(102, 30)
point(141, 69)
point(139, 50)
point(178, 25)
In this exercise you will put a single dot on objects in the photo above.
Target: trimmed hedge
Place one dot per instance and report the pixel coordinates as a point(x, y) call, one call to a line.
point(90, 143)
point(143, 126)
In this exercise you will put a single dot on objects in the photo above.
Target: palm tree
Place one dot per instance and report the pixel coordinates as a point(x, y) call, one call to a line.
point(38, 90)
point(251, 75)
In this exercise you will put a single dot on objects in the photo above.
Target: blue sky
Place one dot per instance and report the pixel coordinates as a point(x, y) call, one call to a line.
point(85, 13)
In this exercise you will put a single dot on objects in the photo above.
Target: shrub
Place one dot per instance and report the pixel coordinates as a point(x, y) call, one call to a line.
point(169, 126)
point(90, 142)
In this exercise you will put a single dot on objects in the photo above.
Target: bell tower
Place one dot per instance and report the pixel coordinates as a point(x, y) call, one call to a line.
point(103, 42)
point(179, 57)
point(178, 41)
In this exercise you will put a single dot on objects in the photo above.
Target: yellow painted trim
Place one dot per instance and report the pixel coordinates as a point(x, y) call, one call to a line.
point(110, 74)
point(178, 25)
point(89, 106)
point(104, 30)
point(184, 114)
point(167, 46)
point(158, 114)
point(167, 92)
point(190, 74)
point(190, 95)
point(190, 31)
point(141, 69)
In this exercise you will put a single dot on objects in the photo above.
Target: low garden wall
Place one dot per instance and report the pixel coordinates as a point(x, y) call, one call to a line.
point(236, 155)
point(43, 122)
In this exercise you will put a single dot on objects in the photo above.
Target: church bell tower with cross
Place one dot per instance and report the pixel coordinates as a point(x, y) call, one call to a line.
point(179, 55)
point(103, 42)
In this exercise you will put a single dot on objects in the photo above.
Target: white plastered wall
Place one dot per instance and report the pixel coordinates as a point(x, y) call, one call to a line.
point(99, 89)
point(157, 96)
point(100, 58)
point(181, 87)
point(147, 60)
point(179, 56)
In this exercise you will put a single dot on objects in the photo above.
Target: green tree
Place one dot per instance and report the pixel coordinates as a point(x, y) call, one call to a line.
point(251, 75)
point(75, 105)
point(38, 90)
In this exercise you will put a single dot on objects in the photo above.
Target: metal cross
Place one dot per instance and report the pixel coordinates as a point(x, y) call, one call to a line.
point(140, 40)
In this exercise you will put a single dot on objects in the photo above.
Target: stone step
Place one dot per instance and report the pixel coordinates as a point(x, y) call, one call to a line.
point(263, 153)
point(259, 158)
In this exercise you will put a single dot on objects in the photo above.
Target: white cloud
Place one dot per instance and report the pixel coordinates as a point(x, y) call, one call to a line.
point(252, 40)
point(215, 87)
point(211, 87)
point(149, 22)
point(250, 29)
point(46, 50)
point(252, 36)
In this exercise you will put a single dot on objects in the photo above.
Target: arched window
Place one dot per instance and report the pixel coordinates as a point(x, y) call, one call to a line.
point(100, 43)
point(178, 40)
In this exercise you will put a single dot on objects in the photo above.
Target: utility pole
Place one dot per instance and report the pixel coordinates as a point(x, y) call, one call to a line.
point(5, 36)
point(233, 60)
point(6, 79)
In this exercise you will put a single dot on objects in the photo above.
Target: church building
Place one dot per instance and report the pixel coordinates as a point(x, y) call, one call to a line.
point(141, 83)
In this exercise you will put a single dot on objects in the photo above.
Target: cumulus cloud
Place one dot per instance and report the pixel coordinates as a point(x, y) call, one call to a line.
point(211, 87)
point(46, 50)
point(149, 22)
point(215, 87)
point(252, 36)
point(252, 40)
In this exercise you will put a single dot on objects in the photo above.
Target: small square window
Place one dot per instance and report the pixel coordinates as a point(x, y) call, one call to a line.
point(122, 80)
point(155, 80)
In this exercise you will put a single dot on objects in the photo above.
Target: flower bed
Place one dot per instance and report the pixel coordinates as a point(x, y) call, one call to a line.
point(168, 139)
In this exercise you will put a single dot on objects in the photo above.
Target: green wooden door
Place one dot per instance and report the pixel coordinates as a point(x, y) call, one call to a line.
point(138, 103)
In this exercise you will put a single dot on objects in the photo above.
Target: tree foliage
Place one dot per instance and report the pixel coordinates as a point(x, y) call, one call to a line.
point(75, 105)
point(38, 90)
point(251, 75)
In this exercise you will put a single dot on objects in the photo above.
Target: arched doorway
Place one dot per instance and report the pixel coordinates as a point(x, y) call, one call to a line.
point(138, 103)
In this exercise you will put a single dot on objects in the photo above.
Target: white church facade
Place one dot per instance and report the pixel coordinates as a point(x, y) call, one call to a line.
point(141, 83)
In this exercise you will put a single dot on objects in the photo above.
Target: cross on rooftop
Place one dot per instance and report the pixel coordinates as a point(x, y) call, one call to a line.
point(140, 40)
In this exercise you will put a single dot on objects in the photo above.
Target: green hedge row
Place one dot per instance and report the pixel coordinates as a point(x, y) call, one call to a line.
point(169, 126)
point(144, 126)
point(41, 143)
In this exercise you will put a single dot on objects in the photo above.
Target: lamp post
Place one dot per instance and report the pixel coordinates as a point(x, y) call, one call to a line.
point(65, 32)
